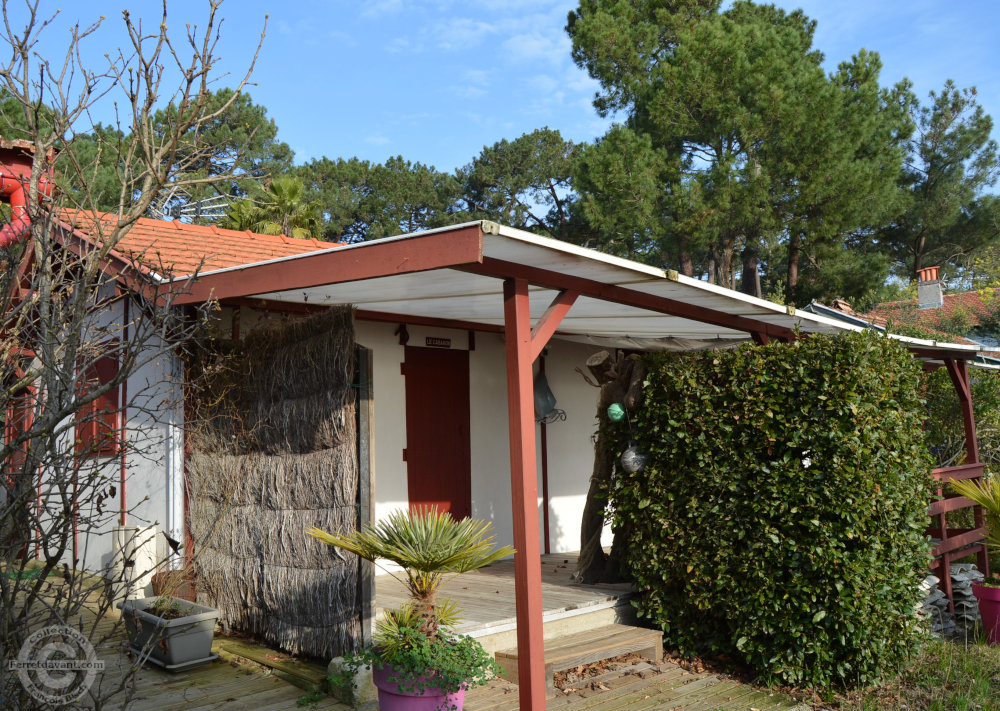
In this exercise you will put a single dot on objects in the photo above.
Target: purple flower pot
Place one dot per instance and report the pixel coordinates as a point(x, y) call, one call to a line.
point(988, 597)
point(391, 698)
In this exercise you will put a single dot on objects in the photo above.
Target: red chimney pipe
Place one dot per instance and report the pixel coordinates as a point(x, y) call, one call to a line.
point(15, 171)
point(928, 274)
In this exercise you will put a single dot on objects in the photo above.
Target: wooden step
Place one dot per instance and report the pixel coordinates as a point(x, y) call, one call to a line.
point(305, 675)
point(587, 647)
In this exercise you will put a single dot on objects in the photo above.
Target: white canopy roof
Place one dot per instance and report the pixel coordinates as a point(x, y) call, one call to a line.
point(462, 281)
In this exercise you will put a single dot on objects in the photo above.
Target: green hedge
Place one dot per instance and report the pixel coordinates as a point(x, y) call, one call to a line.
point(780, 517)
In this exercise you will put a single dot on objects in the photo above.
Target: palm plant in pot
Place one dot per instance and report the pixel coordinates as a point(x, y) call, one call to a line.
point(418, 663)
point(986, 493)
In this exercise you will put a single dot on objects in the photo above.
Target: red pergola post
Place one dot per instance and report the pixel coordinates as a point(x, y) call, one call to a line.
point(524, 496)
point(958, 370)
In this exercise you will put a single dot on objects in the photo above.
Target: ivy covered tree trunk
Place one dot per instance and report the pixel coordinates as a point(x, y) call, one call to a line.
point(620, 379)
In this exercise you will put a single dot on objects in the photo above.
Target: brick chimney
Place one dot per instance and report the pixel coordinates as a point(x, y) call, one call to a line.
point(930, 295)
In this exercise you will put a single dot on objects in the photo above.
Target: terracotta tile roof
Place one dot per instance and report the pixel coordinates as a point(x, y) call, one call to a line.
point(904, 313)
point(969, 305)
point(175, 248)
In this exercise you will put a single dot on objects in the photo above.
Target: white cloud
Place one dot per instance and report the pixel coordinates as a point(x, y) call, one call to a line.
point(344, 39)
point(311, 34)
point(374, 9)
point(576, 79)
point(460, 33)
point(399, 45)
point(468, 91)
point(535, 47)
point(473, 84)
point(476, 76)
point(376, 140)
point(543, 83)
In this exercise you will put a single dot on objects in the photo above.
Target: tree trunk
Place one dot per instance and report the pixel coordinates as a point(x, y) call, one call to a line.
point(750, 279)
point(722, 257)
point(685, 262)
point(792, 276)
point(918, 256)
point(620, 379)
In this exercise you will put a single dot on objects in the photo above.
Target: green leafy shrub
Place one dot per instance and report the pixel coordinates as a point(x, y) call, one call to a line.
point(780, 517)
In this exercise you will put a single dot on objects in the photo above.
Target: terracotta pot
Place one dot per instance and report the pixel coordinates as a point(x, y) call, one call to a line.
point(391, 698)
point(988, 597)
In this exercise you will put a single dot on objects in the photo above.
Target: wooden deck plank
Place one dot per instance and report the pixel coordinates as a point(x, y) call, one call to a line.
point(726, 693)
point(191, 693)
point(767, 701)
point(641, 698)
point(632, 691)
point(284, 697)
point(193, 697)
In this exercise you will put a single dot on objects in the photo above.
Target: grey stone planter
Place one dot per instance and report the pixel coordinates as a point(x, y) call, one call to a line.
point(172, 644)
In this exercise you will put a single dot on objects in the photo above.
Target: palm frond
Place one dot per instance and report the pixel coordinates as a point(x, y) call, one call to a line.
point(986, 493)
point(428, 544)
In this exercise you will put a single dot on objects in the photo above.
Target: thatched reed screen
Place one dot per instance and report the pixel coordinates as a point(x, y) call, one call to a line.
point(273, 452)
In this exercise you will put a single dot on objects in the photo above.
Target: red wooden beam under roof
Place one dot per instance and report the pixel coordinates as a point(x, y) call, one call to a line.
point(418, 253)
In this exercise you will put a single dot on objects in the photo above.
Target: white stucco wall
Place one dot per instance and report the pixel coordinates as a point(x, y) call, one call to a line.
point(154, 478)
point(570, 447)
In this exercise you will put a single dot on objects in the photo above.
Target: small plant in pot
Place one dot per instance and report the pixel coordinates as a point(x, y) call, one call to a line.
point(417, 661)
point(986, 493)
point(170, 632)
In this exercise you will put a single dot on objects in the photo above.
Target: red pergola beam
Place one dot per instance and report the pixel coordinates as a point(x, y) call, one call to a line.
point(550, 320)
point(501, 269)
point(363, 315)
point(941, 353)
point(421, 253)
point(958, 370)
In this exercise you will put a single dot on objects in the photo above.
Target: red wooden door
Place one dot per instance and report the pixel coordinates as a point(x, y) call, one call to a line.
point(438, 459)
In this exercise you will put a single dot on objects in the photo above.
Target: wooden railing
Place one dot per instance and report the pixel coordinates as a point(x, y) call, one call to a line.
point(955, 543)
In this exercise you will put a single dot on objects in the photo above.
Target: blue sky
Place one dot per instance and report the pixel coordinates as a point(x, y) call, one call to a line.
point(436, 80)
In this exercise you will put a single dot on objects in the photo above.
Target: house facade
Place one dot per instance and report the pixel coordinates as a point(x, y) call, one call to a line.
point(458, 323)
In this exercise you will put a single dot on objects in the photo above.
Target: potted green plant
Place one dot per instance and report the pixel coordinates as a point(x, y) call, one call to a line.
point(417, 661)
point(986, 493)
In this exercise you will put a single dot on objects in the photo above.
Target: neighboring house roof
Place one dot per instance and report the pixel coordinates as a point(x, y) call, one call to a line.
point(968, 304)
point(842, 311)
point(178, 249)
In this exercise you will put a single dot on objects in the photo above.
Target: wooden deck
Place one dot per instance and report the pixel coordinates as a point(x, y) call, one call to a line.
point(663, 687)
point(218, 685)
point(486, 596)
point(234, 683)
point(230, 682)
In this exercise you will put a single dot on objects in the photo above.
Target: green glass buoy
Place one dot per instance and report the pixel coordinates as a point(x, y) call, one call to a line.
point(616, 412)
